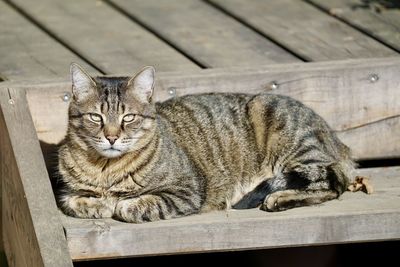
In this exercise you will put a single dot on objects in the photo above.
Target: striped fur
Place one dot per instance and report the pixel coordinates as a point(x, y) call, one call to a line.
point(192, 154)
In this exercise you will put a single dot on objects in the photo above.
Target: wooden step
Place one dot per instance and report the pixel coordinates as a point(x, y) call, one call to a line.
point(358, 98)
point(354, 217)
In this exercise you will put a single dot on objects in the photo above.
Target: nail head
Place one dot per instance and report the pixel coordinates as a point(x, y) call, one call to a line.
point(373, 78)
point(66, 96)
point(172, 91)
point(272, 85)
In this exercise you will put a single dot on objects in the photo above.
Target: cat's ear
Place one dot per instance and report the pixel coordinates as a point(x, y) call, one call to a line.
point(142, 84)
point(82, 84)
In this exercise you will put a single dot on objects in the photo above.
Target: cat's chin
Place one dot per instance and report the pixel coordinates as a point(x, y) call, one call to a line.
point(111, 153)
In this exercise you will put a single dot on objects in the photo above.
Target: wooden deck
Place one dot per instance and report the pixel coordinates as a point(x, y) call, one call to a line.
point(40, 38)
point(198, 46)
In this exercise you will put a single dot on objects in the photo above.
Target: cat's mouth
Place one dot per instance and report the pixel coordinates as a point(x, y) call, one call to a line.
point(111, 152)
point(112, 149)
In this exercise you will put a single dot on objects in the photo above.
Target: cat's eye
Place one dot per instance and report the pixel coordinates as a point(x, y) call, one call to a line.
point(129, 118)
point(95, 117)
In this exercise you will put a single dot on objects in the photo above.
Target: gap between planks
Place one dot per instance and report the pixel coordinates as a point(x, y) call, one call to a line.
point(28, 53)
point(303, 29)
point(204, 33)
point(384, 25)
point(103, 36)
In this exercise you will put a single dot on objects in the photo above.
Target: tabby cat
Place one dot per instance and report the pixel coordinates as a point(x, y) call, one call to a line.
point(129, 158)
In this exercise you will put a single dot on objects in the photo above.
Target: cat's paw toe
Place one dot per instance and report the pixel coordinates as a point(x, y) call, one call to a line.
point(273, 203)
point(105, 212)
point(89, 208)
point(125, 211)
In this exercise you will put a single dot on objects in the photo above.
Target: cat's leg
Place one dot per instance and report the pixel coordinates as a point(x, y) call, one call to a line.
point(155, 207)
point(287, 199)
point(87, 207)
point(309, 183)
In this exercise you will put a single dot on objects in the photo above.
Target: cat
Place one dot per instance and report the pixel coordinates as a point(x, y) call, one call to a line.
point(134, 160)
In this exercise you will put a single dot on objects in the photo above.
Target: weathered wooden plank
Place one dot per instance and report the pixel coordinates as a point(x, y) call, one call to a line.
point(305, 30)
point(33, 235)
point(204, 33)
point(355, 217)
point(379, 139)
point(105, 37)
point(21, 58)
point(343, 92)
point(380, 19)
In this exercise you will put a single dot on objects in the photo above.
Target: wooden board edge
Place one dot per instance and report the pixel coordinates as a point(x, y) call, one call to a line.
point(253, 234)
point(32, 231)
point(215, 72)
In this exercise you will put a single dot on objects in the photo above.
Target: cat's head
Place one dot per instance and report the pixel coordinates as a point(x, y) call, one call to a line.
point(111, 115)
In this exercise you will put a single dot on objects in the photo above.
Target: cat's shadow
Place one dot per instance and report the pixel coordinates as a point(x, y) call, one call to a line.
point(50, 156)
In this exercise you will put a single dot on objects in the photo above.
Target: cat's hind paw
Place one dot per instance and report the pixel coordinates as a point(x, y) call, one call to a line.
point(276, 201)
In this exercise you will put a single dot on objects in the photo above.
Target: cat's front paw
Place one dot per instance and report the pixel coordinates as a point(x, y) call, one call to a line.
point(126, 211)
point(138, 210)
point(89, 207)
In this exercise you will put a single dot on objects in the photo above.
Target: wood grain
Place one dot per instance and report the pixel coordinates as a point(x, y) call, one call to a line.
point(374, 140)
point(105, 37)
point(355, 217)
point(204, 33)
point(340, 91)
point(27, 53)
point(307, 31)
point(32, 233)
point(383, 23)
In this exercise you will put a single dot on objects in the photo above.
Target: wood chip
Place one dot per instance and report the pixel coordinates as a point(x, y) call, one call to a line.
point(361, 183)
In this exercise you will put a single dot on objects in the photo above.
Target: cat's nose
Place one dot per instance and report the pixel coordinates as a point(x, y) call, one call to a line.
point(112, 139)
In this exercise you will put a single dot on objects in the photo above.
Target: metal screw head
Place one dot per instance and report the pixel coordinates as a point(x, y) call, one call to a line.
point(373, 78)
point(272, 85)
point(172, 91)
point(66, 96)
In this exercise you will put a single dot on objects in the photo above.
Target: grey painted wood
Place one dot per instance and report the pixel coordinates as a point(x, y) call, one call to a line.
point(105, 37)
point(355, 217)
point(206, 34)
point(32, 232)
point(384, 24)
point(372, 139)
point(305, 30)
point(340, 91)
point(27, 53)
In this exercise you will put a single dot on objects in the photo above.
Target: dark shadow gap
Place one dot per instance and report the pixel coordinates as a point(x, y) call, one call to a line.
point(373, 163)
point(354, 26)
point(344, 255)
point(158, 35)
point(51, 34)
point(251, 27)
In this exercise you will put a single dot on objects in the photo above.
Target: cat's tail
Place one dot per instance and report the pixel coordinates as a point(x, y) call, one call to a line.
point(336, 176)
